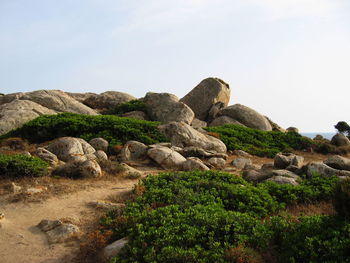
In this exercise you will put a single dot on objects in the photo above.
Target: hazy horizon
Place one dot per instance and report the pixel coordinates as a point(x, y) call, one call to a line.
point(289, 60)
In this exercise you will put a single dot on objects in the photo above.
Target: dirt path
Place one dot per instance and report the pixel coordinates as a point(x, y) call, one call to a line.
point(22, 242)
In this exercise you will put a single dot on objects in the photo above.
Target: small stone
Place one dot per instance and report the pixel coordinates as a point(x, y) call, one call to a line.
point(47, 225)
point(36, 190)
point(217, 162)
point(240, 162)
point(113, 249)
point(13, 188)
point(2, 216)
point(106, 205)
point(62, 233)
point(99, 144)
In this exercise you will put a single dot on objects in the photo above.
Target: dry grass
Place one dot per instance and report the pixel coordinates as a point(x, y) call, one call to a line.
point(320, 208)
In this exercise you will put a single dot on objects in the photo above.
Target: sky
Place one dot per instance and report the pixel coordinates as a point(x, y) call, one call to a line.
point(287, 59)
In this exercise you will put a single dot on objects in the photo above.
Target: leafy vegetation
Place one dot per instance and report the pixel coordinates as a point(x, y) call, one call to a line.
point(341, 199)
point(133, 105)
point(115, 129)
point(19, 165)
point(261, 143)
point(218, 217)
point(343, 127)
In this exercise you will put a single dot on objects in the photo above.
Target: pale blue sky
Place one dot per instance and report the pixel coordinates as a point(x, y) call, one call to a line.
point(288, 59)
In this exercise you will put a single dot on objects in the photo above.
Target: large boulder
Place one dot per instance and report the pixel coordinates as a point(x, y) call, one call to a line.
point(338, 162)
point(247, 117)
point(65, 148)
point(166, 107)
point(80, 168)
point(222, 120)
point(340, 140)
point(107, 100)
point(57, 100)
point(17, 112)
point(324, 170)
point(166, 157)
point(183, 135)
point(207, 93)
point(99, 144)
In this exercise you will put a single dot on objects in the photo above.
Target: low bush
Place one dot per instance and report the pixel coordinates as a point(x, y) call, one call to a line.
point(133, 105)
point(261, 143)
point(19, 165)
point(341, 200)
point(214, 216)
point(115, 129)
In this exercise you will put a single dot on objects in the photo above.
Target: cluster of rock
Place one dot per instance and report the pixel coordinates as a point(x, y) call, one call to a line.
point(287, 169)
point(206, 104)
point(57, 231)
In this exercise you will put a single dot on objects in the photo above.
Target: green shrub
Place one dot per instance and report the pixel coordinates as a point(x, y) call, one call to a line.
point(261, 143)
point(133, 105)
point(316, 238)
point(312, 189)
point(341, 199)
point(115, 129)
point(214, 216)
point(19, 165)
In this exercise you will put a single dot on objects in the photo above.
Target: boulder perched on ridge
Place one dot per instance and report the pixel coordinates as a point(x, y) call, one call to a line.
point(17, 112)
point(183, 135)
point(166, 107)
point(340, 140)
point(107, 100)
point(246, 116)
point(208, 92)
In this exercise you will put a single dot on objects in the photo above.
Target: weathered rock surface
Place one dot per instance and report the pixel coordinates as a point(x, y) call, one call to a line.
point(79, 168)
point(101, 156)
point(99, 144)
point(113, 249)
point(241, 153)
point(324, 170)
point(62, 233)
point(140, 115)
point(17, 112)
point(196, 123)
point(194, 163)
point(183, 135)
point(283, 160)
point(166, 107)
point(47, 225)
point(217, 162)
point(338, 162)
point(90, 169)
point(66, 147)
point(293, 129)
point(222, 120)
point(131, 172)
point(107, 100)
point(255, 176)
point(193, 151)
point(205, 95)
point(246, 116)
point(101, 204)
point(340, 140)
point(241, 162)
point(57, 100)
point(47, 156)
point(132, 151)
point(166, 157)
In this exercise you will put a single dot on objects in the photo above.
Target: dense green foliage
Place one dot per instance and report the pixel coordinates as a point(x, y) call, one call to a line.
point(261, 143)
point(19, 165)
point(343, 127)
point(115, 129)
point(341, 199)
point(133, 105)
point(218, 217)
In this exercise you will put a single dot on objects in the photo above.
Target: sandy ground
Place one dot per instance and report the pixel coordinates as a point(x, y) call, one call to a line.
point(22, 242)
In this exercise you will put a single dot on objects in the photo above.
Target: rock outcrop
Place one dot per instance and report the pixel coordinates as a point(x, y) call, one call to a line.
point(205, 95)
point(107, 100)
point(183, 135)
point(166, 107)
point(340, 140)
point(246, 116)
point(17, 112)
point(166, 157)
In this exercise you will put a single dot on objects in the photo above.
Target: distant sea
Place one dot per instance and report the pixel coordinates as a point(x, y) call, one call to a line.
point(327, 135)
